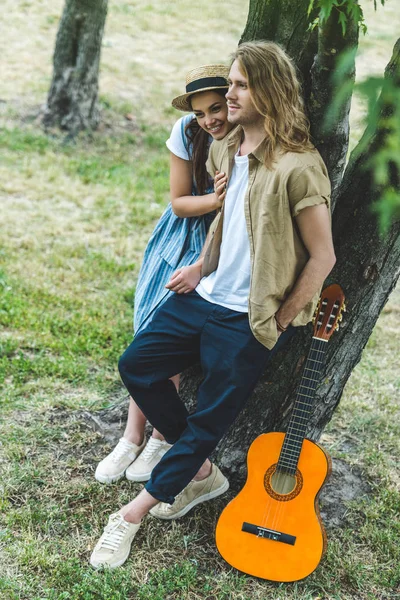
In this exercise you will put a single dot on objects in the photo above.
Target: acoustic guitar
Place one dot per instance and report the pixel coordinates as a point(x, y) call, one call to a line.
point(273, 528)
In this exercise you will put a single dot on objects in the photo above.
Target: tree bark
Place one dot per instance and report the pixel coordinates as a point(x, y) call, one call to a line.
point(285, 22)
point(72, 99)
point(332, 142)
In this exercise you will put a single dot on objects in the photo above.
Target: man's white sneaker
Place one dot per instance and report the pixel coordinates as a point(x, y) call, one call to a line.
point(113, 466)
point(195, 492)
point(141, 469)
point(114, 546)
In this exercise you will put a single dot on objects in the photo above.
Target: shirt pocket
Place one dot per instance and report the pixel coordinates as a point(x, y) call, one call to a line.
point(272, 213)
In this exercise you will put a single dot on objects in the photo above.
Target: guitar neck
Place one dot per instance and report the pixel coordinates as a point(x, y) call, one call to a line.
point(304, 401)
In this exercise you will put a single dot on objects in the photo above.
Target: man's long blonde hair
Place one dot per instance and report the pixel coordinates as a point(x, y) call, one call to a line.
point(276, 94)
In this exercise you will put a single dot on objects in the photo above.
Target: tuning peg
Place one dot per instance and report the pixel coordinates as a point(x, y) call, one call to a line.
point(337, 327)
point(340, 318)
point(344, 307)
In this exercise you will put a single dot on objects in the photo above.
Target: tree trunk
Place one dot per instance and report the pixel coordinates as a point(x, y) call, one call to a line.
point(72, 99)
point(316, 54)
point(332, 143)
point(367, 268)
point(285, 22)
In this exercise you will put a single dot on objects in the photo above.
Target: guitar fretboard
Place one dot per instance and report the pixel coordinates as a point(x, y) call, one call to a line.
point(305, 395)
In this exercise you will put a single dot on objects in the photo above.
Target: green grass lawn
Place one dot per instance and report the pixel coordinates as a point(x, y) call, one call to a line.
point(74, 222)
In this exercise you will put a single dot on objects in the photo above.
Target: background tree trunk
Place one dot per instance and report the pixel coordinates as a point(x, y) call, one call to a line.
point(72, 99)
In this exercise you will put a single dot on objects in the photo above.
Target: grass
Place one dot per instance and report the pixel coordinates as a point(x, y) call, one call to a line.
point(74, 223)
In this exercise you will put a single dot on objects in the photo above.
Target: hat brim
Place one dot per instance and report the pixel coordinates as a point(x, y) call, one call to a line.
point(182, 102)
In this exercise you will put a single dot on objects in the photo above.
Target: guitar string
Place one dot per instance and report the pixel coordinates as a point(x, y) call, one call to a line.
point(316, 352)
point(281, 477)
point(280, 508)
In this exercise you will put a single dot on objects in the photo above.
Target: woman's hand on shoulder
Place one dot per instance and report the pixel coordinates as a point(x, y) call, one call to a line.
point(185, 279)
point(220, 183)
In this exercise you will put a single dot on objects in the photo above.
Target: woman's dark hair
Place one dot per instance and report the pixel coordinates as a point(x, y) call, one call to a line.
point(200, 141)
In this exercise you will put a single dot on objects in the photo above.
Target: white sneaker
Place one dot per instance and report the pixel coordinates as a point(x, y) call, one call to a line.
point(113, 466)
point(141, 469)
point(194, 493)
point(114, 546)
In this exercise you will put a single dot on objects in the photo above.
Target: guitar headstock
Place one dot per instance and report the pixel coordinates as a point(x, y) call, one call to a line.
point(328, 313)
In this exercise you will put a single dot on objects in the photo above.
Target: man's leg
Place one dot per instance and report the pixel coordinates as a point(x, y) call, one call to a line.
point(167, 346)
point(232, 361)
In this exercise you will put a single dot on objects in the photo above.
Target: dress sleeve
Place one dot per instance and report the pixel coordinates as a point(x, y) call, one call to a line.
point(177, 142)
point(308, 186)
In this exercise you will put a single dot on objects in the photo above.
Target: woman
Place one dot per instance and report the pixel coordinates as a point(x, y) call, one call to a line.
point(170, 260)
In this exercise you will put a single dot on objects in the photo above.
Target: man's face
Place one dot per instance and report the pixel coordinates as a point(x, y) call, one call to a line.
point(241, 109)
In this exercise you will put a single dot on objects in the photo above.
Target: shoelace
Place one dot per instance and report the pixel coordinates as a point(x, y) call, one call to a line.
point(120, 450)
point(151, 447)
point(113, 534)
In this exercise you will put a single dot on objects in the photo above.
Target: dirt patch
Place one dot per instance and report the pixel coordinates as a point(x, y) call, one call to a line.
point(109, 422)
point(346, 483)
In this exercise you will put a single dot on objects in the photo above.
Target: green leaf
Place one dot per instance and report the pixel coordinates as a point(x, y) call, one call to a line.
point(357, 12)
point(333, 113)
point(344, 66)
point(313, 24)
point(387, 208)
point(310, 7)
point(326, 7)
point(343, 22)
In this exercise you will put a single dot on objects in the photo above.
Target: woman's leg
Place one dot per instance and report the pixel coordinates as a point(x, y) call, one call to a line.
point(134, 430)
point(123, 458)
point(156, 447)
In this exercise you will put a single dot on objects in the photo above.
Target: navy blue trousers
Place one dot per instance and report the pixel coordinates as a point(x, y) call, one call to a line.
point(186, 330)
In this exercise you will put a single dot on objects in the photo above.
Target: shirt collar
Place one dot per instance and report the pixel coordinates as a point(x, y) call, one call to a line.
point(234, 138)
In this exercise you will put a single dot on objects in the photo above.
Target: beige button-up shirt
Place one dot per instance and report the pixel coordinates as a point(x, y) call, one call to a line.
point(272, 201)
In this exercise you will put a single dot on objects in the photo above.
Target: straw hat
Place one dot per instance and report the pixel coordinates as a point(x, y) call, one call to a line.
point(202, 79)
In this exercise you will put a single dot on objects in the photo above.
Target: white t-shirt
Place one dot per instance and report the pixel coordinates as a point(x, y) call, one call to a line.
point(229, 285)
point(176, 141)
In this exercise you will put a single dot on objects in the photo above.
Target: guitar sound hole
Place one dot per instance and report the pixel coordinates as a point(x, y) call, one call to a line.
point(282, 483)
point(282, 486)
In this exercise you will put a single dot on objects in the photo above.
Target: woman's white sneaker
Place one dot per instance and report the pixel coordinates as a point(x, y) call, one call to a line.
point(114, 546)
point(141, 469)
point(113, 466)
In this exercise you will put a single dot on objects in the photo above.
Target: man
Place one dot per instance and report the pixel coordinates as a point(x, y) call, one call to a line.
point(263, 279)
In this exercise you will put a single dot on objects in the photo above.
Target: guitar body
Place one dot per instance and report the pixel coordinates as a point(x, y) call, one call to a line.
point(284, 539)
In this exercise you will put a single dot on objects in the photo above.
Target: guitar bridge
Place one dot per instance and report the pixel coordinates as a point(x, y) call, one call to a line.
point(269, 534)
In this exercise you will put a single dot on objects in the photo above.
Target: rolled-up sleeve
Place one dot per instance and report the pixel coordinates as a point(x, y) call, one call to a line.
point(308, 186)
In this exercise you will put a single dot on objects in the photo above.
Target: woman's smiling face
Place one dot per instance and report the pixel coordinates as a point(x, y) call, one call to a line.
point(211, 112)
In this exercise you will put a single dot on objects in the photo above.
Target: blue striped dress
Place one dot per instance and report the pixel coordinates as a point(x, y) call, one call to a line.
point(175, 242)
